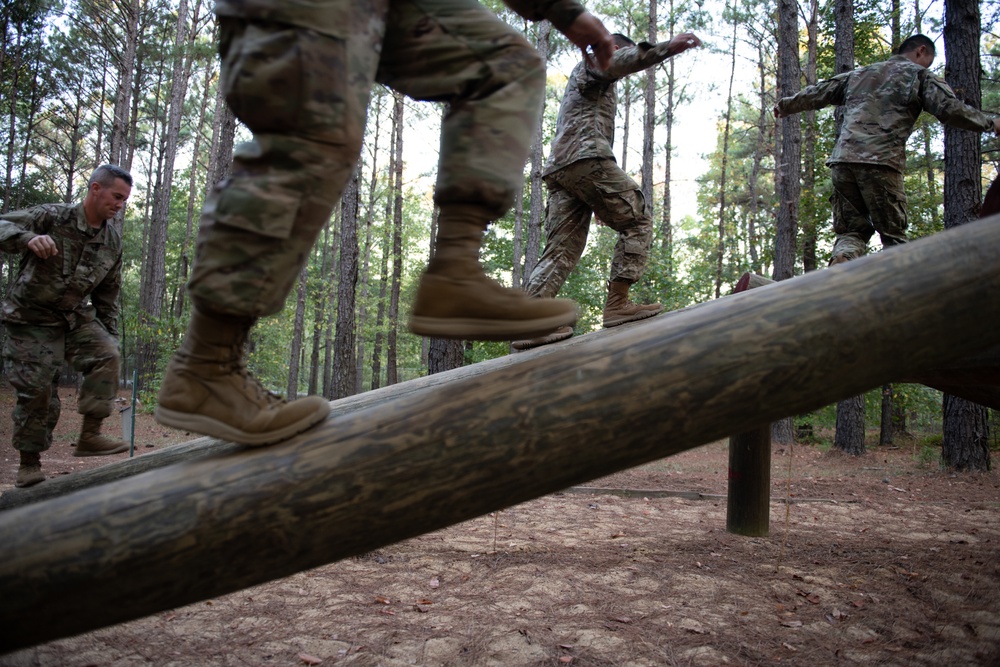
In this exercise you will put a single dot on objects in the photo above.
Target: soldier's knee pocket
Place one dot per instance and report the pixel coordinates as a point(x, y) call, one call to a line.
point(280, 79)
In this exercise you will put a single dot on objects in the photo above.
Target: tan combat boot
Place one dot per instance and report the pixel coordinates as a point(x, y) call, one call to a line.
point(92, 443)
point(29, 472)
point(456, 299)
point(208, 389)
point(562, 333)
point(619, 310)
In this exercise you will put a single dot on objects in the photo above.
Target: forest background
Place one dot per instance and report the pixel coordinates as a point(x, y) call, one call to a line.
point(135, 82)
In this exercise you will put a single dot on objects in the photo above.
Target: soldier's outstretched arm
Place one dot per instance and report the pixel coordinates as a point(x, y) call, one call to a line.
point(632, 59)
point(823, 94)
point(940, 101)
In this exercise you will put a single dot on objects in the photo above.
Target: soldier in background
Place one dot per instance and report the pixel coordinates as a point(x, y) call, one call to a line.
point(64, 307)
point(299, 74)
point(583, 178)
point(881, 105)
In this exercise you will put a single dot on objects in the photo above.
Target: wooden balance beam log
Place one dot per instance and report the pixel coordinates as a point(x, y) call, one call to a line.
point(550, 420)
point(204, 447)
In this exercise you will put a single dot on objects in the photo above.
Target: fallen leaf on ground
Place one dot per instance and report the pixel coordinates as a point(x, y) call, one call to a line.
point(310, 659)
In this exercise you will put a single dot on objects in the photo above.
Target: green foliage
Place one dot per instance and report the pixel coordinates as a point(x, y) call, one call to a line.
point(929, 452)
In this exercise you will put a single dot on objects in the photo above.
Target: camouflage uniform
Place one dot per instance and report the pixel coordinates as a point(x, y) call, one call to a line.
point(881, 105)
point(583, 177)
point(49, 317)
point(299, 74)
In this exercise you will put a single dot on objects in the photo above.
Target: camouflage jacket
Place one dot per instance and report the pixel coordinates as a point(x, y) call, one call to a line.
point(54, 291)
point(585, 127)
point(333, 18)
point(881, 105)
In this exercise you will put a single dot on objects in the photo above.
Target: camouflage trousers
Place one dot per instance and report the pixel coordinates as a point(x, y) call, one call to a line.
point(304, 94)
point(576, 192)
point(866, 199)
point(35, 356)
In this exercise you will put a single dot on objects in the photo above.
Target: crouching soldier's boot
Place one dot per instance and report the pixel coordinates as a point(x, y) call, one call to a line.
point(456, 299)
point(29, 472)
point(619, 310)
point(208, 389)
point(92, 443)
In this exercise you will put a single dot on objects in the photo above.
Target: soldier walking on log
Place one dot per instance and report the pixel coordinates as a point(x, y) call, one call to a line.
point(881, 105)
point(299, 74)
point(583, 178)
point(64, 307)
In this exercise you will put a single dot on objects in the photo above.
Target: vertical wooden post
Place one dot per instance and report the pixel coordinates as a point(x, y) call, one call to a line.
point(748, 502)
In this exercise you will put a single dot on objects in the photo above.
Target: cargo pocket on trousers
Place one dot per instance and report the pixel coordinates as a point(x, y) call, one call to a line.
point(622, 202)
point(267, 210)
point(285, 80)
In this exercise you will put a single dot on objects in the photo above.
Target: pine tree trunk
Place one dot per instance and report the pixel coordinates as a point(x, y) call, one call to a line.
point(666, 223)
point(788, 169)
point(536, 207)
point(152, 288)
point(809, 231)
point(720, 250)
point(120, 145)
point(391, 362)
point(790, 165)
point(886, 435)
point(850, 436)
point(966, 444)
point(966, 424)
point(295, 348)
point(184, 260)
point(344, 366)
point(359, 357)
point(649, 118)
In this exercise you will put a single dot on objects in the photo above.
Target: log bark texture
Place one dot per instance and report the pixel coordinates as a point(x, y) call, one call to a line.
point(546, 421)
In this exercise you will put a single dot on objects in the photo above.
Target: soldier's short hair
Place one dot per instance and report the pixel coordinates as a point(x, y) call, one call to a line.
point(621, 40)
point(915, 42)
point(107, 174)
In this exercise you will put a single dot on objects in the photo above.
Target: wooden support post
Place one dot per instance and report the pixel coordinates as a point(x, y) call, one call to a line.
point(748, 499)
point(748, 503)
point(547, 421)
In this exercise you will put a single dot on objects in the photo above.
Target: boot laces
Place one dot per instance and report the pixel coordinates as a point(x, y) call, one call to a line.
point(253, 385)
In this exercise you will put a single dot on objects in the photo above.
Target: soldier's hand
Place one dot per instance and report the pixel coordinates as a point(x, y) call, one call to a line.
point(43, 246)
point(683, 42)
point(588, 31)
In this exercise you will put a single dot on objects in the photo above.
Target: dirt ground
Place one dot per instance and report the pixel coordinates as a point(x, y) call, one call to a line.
point(877, 560)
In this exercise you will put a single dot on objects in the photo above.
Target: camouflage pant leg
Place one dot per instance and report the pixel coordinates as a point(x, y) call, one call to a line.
point(567, 223)
point(459, 52)
point(92, 351)
point(34, 358)
point(866, 199)
point(618, 202)
point(304, 94)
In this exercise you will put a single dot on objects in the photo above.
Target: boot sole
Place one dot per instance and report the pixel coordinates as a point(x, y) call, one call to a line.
point(646, 314)
point(185, 421)
point(116, 450)
point(522, 345)
point(499, 330)
point(30, 482)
